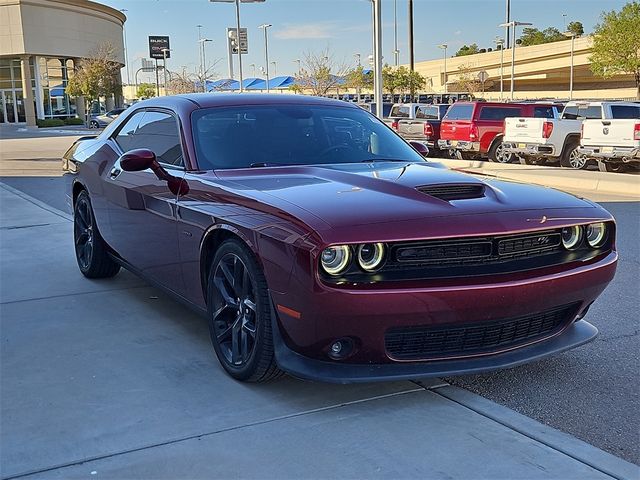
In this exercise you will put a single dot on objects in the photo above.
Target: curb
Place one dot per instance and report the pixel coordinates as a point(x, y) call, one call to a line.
point(612, 183)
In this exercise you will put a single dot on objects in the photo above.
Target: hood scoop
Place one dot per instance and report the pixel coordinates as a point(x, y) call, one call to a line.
point(451, 191)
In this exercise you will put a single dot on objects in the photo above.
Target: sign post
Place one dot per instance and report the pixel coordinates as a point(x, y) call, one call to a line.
point(159, 49)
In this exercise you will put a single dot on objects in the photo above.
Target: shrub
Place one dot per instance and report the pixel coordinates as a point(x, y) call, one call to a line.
point(74, 121)
point(49, 122)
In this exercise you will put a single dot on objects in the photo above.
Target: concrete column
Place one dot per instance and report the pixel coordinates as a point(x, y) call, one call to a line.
point(27, 92)
point(110, 103)
point(39, 91)
point(80, 110)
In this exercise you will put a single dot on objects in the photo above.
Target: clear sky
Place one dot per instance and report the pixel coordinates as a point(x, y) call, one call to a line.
point(343, 26)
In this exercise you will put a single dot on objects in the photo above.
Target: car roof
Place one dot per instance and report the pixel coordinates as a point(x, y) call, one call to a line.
point(207, 100)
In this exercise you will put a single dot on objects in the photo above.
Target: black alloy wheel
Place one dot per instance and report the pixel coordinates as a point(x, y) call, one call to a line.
point(91, 251)
point(94, 124)
point(240, 315)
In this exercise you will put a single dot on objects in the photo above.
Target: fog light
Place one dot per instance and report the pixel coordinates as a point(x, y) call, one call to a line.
point(571, 237)
point(340, 349)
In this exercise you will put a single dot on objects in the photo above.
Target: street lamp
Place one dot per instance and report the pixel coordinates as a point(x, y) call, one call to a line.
point(444, 47)
point(126, 52)
point(204, 61)
point(513, 24)
point(396, 52)
point(299, 62)
point(164, 67)
point(237, 2)
point(265, 27)
point(253, 66)
point(357, 55)
point(573, 38)
point(275, 71)
point(500, 42)
point(199, 27)
point(377, 55)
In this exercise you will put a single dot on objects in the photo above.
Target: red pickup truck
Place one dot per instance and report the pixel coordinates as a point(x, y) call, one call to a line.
point(475, 129)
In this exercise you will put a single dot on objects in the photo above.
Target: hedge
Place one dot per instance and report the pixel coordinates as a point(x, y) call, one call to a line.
point(49, 122)
point(74, 121)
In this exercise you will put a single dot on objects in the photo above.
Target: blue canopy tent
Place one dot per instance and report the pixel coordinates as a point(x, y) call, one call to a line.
point(227, 84)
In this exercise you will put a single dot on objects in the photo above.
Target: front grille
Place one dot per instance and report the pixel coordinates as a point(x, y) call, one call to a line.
point(450, 192)
point(474, 251)
point(425, 342)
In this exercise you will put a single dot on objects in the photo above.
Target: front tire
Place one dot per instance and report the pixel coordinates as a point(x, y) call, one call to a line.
point(94, 124)
point(240, 315)
point(91, 250)
point(611, 167)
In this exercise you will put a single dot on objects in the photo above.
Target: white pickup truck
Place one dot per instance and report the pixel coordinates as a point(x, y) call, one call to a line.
point(537, 141)
point(614, 144)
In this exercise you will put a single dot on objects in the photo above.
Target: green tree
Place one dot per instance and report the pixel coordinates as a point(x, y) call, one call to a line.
point(415, 82)
point(146, 90)
point(97, 76)
point(576, 28)
point(616, 44)
point(389, 79)
point(358, 79)
point(467, 50)
point(533, 36)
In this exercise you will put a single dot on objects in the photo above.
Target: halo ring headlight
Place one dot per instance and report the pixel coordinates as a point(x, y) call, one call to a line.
point(370, 256)
point(596, 234)
point(571, 237)
point(335, 259)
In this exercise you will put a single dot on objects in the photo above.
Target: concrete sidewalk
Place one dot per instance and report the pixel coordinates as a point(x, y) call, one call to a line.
point(112, 379)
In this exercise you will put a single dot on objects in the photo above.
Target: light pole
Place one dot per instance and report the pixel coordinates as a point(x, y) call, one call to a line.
point(199, 27)
point(203, 51)
point(507, 20)
point(358, 62)
point(237, 2)
point(265, 27)
point(253, 66)
point(573, 38)
point(411, 58)
point(126, 51)
point(444, 77)
point(275, 71)
point(299, 62)
point(377, 56)
point(500, 42)
point(164, 67)
point(396, 52)
point(513, 24)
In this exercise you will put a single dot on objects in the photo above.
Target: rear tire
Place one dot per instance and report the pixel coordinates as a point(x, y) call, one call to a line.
point(94, 124)
point(92, 253)
point(240, 315)
point(572, 158)
point(611, 167)
point(497, 154)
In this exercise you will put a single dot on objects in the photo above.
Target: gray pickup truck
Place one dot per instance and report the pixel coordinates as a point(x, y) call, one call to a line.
point(425, 127)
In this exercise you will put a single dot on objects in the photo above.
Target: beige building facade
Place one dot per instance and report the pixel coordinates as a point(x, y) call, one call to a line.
point(540, 71)
point(41, 43)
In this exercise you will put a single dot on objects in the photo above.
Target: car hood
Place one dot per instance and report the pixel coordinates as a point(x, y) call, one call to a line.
point(356, 194)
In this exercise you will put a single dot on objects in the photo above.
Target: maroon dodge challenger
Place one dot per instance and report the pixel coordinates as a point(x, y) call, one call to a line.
point(318, 242)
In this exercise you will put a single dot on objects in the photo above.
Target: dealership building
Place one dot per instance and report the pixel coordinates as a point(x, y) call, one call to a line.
point(41, 43)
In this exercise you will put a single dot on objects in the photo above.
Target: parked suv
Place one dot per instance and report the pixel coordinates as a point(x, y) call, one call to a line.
point(475, 129)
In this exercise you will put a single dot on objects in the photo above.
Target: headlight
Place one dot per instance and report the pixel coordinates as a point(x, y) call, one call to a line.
point(370, 256)
point(596, 234)
point(335, 259)
point(571, 237)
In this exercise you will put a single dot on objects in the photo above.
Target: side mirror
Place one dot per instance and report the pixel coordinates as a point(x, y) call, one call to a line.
point(138, 160)
point(421, 148)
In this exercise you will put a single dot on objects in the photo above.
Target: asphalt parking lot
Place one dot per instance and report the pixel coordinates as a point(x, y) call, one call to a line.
point(113, 377)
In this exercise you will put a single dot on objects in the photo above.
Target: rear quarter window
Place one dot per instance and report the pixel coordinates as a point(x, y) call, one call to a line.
point(399, 112)
point(625, 111)
point(543, 112)
point(459, 112)
point(498, 113)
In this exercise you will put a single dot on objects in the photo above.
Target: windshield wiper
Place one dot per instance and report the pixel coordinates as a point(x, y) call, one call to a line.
point(265, 164)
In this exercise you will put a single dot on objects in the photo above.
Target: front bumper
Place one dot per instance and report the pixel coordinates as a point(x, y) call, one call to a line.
point(299, 366)
point(367, 314)
point(536, 150)
point(628, 154)
point(462, 145)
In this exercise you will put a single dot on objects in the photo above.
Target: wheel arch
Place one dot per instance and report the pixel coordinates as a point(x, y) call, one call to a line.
point(572, 137)
point(496, 139)
point(211, 241)
point(76, 188)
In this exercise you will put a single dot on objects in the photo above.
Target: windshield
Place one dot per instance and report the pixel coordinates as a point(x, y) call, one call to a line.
point(268, 135)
